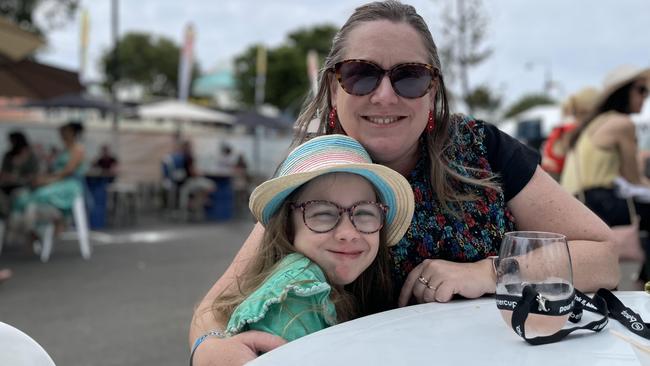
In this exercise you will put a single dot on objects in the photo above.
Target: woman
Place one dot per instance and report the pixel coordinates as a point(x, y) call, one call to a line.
point(54, 194)
point(575, 110)
point(605, 147)
point(382, 85)
point(19, 168)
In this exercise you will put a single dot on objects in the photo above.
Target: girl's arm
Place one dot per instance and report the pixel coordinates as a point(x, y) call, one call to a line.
point(242, 347)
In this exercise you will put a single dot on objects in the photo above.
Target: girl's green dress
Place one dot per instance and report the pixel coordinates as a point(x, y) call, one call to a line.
point(293, 302)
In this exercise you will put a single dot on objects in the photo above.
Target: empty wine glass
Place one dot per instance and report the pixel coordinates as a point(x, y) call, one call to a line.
point(541, 260)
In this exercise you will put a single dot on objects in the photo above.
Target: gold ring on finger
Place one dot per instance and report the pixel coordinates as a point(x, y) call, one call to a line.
point(423, 281)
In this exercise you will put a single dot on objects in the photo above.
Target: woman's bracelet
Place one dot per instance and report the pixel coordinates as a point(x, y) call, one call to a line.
point(213, 333)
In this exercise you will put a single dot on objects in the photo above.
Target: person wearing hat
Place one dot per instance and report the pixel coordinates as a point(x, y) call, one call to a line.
point(575, 109)
point(604, 148)
point(329, 215)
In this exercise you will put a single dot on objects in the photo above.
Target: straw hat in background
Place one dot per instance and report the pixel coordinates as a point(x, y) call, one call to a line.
point(336, 153)
point(619, 77)
point(581, 103)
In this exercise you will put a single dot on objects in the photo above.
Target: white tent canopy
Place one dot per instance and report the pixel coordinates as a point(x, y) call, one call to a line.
point(177, 110)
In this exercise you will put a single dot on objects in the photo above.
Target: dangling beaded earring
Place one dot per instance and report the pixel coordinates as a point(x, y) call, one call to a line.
point(332, 119)
point(431, 124)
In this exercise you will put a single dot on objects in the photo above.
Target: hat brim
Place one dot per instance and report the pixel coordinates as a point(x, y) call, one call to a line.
point(611, 89)
point(394, 191)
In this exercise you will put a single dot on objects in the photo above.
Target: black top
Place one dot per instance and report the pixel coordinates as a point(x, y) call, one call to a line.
point(513, 161)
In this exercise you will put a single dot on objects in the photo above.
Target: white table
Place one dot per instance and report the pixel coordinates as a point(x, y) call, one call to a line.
point(19, 349)
point(463, 332)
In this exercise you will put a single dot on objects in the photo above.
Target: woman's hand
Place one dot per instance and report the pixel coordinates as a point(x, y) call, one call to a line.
point(439, 280)
point(236, 350)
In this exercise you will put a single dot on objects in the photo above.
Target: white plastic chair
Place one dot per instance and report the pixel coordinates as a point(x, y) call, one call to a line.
point(81, 228)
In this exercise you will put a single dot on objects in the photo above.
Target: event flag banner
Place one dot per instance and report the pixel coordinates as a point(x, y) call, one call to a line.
point(312, 70)
point(186, 63)
point(83, 43)
point(260, 79)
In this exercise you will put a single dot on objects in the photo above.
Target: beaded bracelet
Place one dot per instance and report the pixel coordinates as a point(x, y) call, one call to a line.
point(213, 333)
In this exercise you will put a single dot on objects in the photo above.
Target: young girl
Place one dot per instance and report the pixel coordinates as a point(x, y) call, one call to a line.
point(330, 215)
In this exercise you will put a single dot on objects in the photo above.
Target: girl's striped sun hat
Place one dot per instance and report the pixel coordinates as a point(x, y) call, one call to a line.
point(330, 154)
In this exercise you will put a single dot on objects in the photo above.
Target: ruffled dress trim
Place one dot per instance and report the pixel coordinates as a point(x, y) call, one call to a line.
point(297, 275)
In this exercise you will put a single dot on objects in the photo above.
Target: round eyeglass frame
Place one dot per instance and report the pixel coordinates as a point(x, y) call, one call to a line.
point(384, 208)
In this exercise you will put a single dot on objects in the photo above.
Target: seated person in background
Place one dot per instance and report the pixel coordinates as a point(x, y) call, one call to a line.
point(19, 167)
point(106, 163)
point(195, 188)
point(53, 194)
point(330, 216)
point(604, 150)
point(574, 112)
point(226, 161)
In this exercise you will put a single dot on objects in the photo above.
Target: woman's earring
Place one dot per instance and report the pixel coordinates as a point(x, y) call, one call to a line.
point(332, 119)
point(431, 124)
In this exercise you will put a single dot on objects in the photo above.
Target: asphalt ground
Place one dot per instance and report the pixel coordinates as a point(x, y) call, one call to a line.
point(130, 304)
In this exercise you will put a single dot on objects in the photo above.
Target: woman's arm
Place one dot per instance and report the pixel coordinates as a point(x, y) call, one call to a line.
point(544, 206)
point(240, 348)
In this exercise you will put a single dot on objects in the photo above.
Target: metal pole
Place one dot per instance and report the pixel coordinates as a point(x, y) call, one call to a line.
point(116, 54)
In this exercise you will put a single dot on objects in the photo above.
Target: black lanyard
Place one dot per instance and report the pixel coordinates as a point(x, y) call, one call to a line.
point(604, 303)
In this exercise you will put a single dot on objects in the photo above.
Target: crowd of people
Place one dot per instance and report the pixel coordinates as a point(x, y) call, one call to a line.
point(189, 189)
point(595, 156)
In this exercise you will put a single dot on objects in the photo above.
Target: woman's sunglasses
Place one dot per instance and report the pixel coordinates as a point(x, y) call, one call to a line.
point(409, 80)
point(642, 90)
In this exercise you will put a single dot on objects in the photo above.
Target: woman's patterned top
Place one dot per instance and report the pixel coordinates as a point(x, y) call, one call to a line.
point(478, 231)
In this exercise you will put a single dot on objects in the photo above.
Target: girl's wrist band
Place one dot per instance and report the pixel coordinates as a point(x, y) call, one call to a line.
point(213, 333)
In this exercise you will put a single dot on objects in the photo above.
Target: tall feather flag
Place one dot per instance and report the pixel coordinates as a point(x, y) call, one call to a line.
point(312, 70)
point(186, 63)
point(260, 78)
point(84, 29)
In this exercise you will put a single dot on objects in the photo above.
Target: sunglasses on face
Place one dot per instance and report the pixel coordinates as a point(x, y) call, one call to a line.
point(322, 216)
point(641, 89)
point(409, 80)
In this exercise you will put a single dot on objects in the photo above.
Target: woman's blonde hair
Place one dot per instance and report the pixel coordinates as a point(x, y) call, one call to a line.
point(437, 141)
point(371, 292)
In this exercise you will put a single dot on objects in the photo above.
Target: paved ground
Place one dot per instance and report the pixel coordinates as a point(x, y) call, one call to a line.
point(132, 302)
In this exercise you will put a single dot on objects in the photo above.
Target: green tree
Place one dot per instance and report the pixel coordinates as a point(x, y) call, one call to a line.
point(482, 98)
point(526, 102)
point(287, 83)
point(145, 60)
point(56, 13)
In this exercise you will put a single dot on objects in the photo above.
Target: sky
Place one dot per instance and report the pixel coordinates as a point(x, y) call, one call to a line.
point(576, 42)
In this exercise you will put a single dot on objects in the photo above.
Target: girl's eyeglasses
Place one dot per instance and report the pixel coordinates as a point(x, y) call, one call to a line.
point(409, 80)
point(322, 216)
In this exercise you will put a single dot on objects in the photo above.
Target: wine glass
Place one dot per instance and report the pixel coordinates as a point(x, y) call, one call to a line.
point(541, 260)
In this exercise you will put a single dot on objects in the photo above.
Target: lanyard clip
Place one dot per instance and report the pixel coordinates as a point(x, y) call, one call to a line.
point(541, 303)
